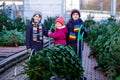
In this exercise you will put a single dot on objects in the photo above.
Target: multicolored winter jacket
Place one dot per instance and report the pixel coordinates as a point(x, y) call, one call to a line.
point(59, 36)
point(34, 35)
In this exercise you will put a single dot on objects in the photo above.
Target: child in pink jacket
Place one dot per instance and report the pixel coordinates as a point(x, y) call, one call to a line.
point(60, 33)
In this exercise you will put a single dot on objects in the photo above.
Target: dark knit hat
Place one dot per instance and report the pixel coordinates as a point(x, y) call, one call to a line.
point(75, 11)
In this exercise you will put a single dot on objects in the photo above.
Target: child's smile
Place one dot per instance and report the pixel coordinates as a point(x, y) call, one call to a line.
point(58, 24)
point(75, 16)
point(36, 18)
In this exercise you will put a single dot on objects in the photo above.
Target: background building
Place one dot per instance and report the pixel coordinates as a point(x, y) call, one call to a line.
point(48, 8)
point(62, 7)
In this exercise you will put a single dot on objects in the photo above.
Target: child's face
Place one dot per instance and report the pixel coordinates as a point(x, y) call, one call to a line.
point(57, 24)
point(37, 18)
point(75, 16)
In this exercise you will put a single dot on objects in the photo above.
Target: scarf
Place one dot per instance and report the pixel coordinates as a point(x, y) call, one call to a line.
point(37, 32)
point(75, 29)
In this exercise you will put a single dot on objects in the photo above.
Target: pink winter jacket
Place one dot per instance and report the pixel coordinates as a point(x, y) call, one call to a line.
point(59, 36)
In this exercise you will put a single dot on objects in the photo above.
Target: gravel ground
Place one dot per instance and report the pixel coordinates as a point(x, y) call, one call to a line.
point(10, 73)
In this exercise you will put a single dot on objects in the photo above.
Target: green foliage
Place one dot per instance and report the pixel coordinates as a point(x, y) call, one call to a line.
point(12, 32)
point(118, 78)
point(112, 19)
point(11, 24)
point(104, 40)
point(89, 21)
point(58, 60)
point(48, 22)
point(12, 38)
point(18, 24)
point(4, 20)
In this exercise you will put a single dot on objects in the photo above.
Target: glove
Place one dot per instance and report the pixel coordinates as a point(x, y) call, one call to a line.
point(54, 28)
point(85, 32)
point(29, 50)
point(82, 30)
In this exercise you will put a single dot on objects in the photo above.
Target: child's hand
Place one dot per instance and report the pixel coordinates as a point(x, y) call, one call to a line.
point(54, 28)
point(49, 32)
point(29, 50)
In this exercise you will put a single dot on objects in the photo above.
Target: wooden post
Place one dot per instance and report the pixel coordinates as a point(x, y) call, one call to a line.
point(62, 8)
point(113, 7)
point(101, 5)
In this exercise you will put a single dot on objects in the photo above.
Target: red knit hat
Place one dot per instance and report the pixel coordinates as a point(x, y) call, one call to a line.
point(75, 11)
point(60, 20)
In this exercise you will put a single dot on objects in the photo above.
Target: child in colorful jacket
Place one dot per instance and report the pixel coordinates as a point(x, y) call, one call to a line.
point(73, 27)
point(34, 33)
point(60, 33)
